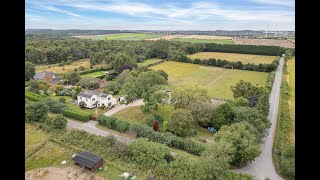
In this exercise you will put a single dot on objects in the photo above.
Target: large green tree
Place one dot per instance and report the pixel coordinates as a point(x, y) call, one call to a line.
point(223, 115)
point(37, 112)
point(183, 95)
point(29, 71)
point(89, 82)
point(245, 89)
point(72, 77)
point(180, 122)
point(153, 97)
point(134, 87)
point(202, 112)
point(258, 121)
point(57, 122)
point(242, 140)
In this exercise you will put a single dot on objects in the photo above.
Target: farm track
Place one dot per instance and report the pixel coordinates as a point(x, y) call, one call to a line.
point(262, 167)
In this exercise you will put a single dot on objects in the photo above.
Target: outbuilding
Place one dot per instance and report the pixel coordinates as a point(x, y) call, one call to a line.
point(88, 161)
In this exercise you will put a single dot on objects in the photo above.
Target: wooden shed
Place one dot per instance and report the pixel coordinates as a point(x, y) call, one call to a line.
point(88, 161)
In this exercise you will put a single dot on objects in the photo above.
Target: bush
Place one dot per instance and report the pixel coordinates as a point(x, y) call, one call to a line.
point(121, 126)
point(33, 96)
point(57, 122)
point(56, 106)
point(77, 114)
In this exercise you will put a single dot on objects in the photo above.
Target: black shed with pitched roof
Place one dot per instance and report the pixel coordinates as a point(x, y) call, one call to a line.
point(88, 160)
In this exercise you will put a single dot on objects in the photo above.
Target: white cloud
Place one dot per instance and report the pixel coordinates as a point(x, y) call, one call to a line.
point(51, 8)
point(290, 3)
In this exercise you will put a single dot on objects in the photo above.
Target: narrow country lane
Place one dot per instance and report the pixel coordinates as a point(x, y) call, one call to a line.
point(262, 167)
point(90, 126)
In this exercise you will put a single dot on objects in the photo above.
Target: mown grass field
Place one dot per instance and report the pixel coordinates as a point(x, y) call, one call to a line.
point(121, 36)
point(94, 74)
point(134, 115)
point(217, 80)
point(244, 58)
point(149, 61)
point(66, 68)
point(216, 41)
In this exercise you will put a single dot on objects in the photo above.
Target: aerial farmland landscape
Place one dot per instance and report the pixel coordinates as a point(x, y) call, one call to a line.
point(152, 90)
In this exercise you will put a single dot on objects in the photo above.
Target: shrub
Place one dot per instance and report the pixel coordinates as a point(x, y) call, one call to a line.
point(57, 122)
point(77, 114)
point(121, 126)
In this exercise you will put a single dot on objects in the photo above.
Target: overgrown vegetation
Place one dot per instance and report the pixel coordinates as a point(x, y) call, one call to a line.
point(284, 145)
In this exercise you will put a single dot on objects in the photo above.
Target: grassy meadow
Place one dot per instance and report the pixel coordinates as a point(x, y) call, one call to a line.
point(216, 80)
point(216, 41)
point(121, 36)
point(244, 58)
point(94, 74)
point(149, 61)
point(66, 68)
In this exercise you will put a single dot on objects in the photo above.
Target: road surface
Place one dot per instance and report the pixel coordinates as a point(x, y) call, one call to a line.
point(90, 126)
point(262, 167)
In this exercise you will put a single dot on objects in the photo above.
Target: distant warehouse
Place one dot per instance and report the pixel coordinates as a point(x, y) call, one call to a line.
point(88, 161)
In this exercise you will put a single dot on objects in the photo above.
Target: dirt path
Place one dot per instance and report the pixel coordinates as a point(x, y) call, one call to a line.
point(262, 167)
point(54, 173)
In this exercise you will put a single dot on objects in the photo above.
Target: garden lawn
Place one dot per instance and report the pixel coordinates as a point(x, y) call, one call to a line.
point(148, 62)
point(233, 57)
point(134, 115)
point(216, 41)
point(94, 74)
point(216, 80)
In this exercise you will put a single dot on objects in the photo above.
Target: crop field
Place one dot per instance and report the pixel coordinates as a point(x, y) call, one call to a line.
point(244, 58)
point(265, 42)
point(149, 61)
point(66, 68)
point(121, 36)
point(217, 80)
point(217, 41)
point(94, 74)
point(208, 37)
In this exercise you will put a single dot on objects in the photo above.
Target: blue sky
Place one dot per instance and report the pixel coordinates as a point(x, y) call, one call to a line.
point(161, 14)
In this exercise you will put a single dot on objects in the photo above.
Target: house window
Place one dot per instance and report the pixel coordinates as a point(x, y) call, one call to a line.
point(109, 98)
point(109, 104)
point(87, 100)
point(93, 99)
point(80, 98)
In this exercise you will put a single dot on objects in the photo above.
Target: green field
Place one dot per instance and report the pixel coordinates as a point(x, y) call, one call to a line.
point(149, 61)
point(94, 74)
point(134, 115)
point(244, 58)
point(216, 80)
point(122, 36)
point(291, 70)
point(217, 41)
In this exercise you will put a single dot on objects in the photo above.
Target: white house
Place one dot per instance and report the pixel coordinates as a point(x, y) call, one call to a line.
point(96, 99)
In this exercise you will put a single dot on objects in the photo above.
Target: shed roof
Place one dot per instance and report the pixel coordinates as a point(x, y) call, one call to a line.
point(41, 75)
point(86, 159)
point(111, 72)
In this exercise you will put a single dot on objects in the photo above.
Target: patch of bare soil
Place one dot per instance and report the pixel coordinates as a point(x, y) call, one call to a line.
point(266, 42)
point(67, 173)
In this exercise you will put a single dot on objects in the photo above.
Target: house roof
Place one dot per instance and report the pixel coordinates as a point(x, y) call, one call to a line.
point(86, 159)
point(89, 94)
point(41, 75)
